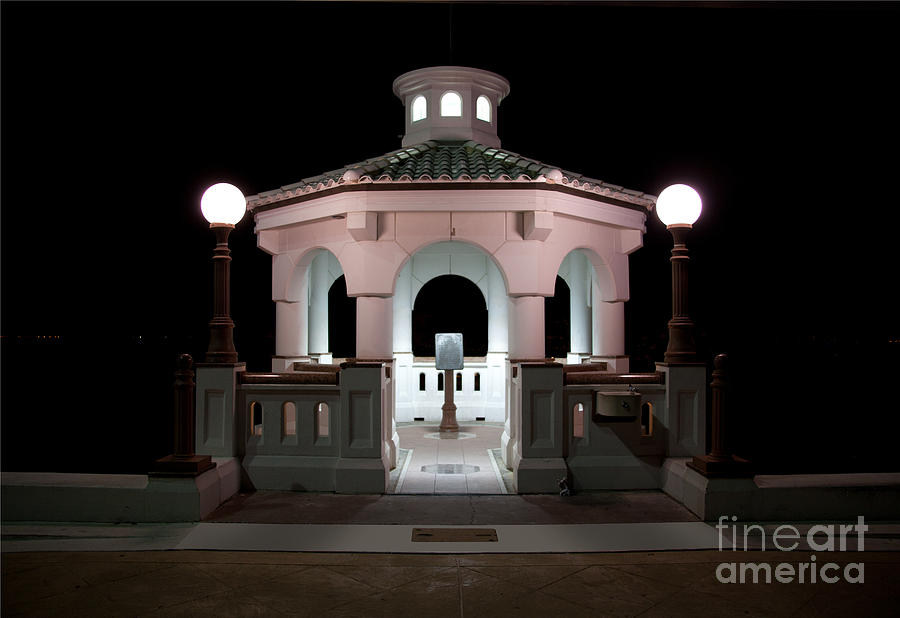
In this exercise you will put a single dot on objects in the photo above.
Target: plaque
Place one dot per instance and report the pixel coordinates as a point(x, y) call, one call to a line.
point(448, 349)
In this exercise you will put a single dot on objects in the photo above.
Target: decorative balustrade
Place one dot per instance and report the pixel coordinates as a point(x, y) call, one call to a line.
point(318, 428)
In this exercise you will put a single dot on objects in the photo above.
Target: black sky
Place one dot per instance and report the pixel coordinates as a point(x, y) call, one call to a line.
point(116, 116)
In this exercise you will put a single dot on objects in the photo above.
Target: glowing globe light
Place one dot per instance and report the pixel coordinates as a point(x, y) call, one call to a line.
point(223, 204)
point(678, 205)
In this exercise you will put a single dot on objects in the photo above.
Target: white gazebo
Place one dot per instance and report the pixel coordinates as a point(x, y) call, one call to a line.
point(452, 201)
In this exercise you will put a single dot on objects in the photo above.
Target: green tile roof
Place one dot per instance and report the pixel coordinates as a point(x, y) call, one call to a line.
point(449, 161)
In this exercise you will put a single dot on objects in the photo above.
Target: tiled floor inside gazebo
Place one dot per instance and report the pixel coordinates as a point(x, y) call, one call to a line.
point(467, 462)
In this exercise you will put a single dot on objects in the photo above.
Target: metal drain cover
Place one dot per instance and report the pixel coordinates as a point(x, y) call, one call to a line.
point(454, 535)
point(450, 469)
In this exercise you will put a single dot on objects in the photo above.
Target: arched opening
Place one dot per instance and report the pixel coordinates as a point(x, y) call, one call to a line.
point(422, 381)
point(288, 419)
point(341, 320)
point(483, 109)
point(451, 104)
point(578, 421)
point(441, 381)
point(323, 421)
point(647, 419)
point(477, 382)
point(450, 304)
point(256, 419)
point(556, 321)
point(459, 381)
point(419, 108)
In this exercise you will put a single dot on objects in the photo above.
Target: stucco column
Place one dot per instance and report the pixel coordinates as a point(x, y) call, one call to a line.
point(526, 342)
point(579, 308)
point(498, 325)
point(290, 334)
point(374, 342)
point(374, 327)
point(318, 306)
point(403, 312)
point(526, 328)
point(609, 335)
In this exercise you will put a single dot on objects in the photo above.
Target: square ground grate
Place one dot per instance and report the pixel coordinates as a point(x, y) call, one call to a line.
point(454, 535)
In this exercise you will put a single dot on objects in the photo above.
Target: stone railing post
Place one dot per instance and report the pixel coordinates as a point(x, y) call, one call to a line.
point(184, 462)
point(720, 461)
point(542, 464)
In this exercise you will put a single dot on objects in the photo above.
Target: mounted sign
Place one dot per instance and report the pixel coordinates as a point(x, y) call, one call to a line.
point(448, 351)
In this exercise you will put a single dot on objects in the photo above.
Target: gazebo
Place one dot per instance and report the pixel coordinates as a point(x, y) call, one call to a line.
point(450, 202)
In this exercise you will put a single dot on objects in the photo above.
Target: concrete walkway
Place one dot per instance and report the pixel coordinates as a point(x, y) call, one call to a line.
point(273, 554)
point(222, 584)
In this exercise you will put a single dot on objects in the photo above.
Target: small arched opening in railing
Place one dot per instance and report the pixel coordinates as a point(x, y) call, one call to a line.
point(647, 419)
point(288, 419)
point(322, 420)
point(422, 381)
point(578, 420)
point(256, 419)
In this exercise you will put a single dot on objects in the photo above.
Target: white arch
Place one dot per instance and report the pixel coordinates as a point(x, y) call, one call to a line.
point(459, 240)
point(604, 273)
point(483, 108)
point(473, 263)
point(419, 109)
point(451, 104)
point(290, 272)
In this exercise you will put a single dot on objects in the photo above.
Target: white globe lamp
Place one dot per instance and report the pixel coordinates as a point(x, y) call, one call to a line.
point(223, 204)
point(678, 205)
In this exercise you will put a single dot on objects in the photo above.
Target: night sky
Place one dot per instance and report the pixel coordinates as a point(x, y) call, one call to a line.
point(116, 117)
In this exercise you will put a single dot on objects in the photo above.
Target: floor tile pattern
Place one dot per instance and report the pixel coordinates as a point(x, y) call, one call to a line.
point(470, 447)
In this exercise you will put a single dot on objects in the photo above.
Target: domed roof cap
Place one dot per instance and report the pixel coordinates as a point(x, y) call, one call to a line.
point(451, 103)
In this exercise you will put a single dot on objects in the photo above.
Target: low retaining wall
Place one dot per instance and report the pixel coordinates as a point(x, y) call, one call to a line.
point(50, 496)
point(807, 497)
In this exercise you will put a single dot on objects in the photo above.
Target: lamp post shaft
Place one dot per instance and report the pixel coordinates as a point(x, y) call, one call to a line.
point(681, 346)
point(221, 327)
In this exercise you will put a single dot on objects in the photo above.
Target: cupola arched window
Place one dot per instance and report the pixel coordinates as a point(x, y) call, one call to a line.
point(419, 108)
point(451, 104)
point(483, 108)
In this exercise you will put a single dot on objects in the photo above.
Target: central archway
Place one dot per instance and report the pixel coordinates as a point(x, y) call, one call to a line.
point(450, 304)
point(450, 287)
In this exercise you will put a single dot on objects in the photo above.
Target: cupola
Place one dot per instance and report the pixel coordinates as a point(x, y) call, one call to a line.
point(451, 103)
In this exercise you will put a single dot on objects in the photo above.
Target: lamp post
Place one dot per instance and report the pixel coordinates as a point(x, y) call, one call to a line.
point(678, 207)
point(223, 205)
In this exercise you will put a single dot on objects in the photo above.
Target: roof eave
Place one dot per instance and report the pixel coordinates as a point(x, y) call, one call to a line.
point(645, 203)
